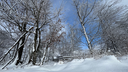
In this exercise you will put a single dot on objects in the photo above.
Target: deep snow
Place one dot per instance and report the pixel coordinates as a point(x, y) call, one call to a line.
point(104, 64)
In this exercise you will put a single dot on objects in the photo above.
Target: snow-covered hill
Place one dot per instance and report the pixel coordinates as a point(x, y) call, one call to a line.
point(104, 64)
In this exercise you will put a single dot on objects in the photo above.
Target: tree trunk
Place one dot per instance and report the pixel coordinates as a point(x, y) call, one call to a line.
point(20, 50)
point(44, 55)
point(35, 46)
point(33, 55)
point(87, 39)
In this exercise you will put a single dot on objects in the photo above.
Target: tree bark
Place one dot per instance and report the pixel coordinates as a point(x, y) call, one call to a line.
point(44, 55)
point(89, 43)
point(20, 50)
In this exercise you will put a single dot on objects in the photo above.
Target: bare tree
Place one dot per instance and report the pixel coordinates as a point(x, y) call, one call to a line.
point(75, 37)
point(111, 34)
point(13, 16)
point(42, 17)
point(84, 10)
point(23, 15)
point(54, 36)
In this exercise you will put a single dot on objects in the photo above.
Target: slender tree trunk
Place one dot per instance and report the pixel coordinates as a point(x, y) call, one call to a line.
point(89, 43)
point(44, 55)
point(30, 58)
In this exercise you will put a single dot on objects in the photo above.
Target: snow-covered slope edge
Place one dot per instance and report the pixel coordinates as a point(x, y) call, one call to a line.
point(104, 64)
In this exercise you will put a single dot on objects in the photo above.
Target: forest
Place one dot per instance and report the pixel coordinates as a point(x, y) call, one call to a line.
point(34, 31)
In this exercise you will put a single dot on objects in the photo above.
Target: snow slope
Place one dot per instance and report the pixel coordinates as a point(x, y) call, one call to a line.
point(104, 64)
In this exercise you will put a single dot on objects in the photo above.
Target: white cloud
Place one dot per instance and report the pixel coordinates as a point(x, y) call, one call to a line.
point(124, 2)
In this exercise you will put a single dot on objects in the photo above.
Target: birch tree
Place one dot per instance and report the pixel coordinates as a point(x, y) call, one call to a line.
point(84, 9)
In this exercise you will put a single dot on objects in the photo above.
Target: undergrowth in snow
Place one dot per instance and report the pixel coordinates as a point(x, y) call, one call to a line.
point(104, 64)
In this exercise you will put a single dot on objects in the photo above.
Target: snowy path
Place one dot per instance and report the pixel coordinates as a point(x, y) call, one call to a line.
point(105, 64)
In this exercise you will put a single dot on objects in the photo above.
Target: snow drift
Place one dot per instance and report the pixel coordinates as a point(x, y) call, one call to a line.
point(104, 64)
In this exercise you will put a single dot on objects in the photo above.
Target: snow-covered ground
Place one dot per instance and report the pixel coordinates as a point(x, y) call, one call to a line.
point(104, 64)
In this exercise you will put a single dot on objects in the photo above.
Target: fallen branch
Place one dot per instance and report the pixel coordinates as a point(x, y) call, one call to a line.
point(15, 44)
point(10, 60)
point(15, 54)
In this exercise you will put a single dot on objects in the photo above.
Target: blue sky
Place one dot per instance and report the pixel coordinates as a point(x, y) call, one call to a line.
point(68, 9)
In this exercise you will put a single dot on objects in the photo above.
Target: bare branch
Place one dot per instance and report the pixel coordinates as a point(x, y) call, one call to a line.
point(15, 44)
